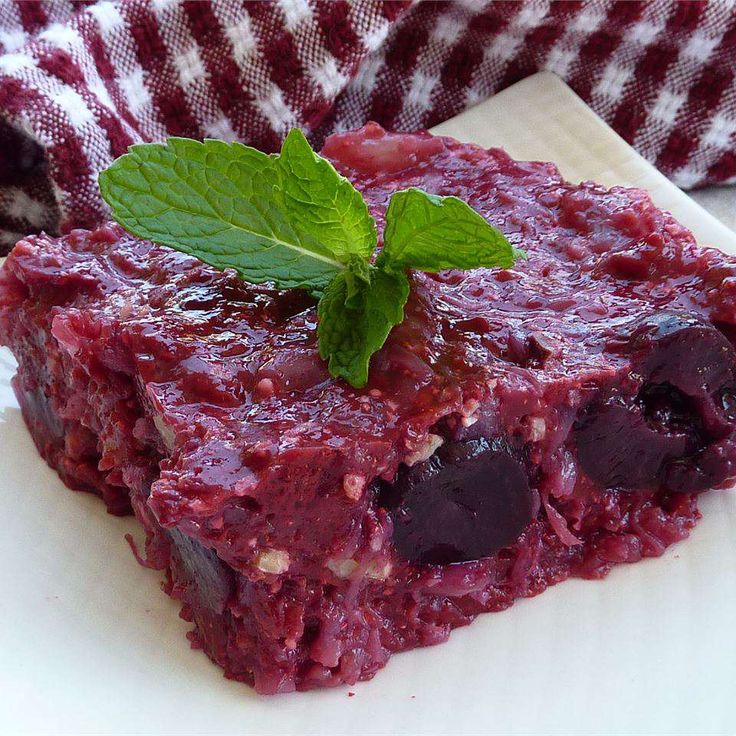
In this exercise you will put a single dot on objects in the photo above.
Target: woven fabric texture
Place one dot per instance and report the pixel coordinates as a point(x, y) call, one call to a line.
point(80, 81)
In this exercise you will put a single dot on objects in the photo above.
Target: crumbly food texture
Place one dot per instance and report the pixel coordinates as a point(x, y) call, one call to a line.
point(295, 516)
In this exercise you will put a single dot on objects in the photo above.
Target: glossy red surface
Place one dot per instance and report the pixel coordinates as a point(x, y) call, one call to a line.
point(201, 401)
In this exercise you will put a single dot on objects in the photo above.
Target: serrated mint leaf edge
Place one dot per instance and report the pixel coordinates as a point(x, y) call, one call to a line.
point(296, 145)
point(135, 223)
point(394, 262)
point(356, 371)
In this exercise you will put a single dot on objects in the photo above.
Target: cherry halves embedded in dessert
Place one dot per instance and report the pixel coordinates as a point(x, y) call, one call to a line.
point(519, 427)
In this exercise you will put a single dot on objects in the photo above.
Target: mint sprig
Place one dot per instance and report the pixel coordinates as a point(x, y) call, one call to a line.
point(430, 233)
point(292, 220)
point(234, 207)
point(355, 317)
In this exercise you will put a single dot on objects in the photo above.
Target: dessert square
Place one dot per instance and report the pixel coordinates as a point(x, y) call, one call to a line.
point(521, 426)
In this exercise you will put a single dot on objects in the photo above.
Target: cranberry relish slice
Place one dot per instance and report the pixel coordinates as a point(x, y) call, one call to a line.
point(519, 427)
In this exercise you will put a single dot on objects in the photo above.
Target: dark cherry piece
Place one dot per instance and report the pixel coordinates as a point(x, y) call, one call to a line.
point(684, 351)
point(467, 501)
point(213, 579)
point(688, 369)
point(620, 447)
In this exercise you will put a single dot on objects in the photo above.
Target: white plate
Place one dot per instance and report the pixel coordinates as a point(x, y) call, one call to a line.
point(89, 644)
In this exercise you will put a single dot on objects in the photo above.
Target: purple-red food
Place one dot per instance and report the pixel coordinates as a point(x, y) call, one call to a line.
point(519, 427)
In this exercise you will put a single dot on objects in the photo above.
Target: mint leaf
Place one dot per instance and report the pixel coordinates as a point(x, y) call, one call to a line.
point(323, 203)
point(228, 205)
point(432, 233)
point(292, 220)
point(356, 317)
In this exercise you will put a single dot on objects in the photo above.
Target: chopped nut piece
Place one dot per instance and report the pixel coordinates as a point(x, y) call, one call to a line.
point(470, 407)
point(274, 561)
point(353, 484)
point(378, 570)
point(424, 450)
point(167, 434)
point(537, 429)
point(342, 568)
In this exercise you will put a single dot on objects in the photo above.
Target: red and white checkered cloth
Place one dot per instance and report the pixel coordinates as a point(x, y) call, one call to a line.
point(80, 80)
